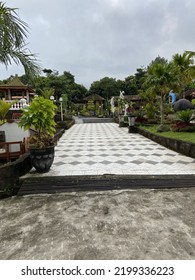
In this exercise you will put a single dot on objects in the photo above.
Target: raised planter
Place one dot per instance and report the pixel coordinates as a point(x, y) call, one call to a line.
point(185, 148)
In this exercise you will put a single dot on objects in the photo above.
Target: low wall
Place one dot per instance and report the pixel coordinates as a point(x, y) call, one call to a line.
point(10, 172)
point(185, 148)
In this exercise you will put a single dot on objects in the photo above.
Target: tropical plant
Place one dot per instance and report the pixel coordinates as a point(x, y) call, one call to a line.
point(160, 77)
point(40, 117)
point(47, 93)
point(4, 108)
point(13, 32)
point(185, 115)
point(184, 65)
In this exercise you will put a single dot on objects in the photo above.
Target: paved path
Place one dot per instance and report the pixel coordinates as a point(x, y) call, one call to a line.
point(104, 148)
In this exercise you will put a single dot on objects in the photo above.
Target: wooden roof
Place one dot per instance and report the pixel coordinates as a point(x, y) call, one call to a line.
point(94, 97)
point(132, 97)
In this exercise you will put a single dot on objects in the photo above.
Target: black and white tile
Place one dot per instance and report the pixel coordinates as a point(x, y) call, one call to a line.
point(104, 148)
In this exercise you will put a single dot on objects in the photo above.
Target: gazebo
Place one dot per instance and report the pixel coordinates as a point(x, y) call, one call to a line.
point(97, 99)
point(14, 89)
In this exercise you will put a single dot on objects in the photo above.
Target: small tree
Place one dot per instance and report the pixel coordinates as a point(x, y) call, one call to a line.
point(4, 108)
point(40, 117)
point(161, 77)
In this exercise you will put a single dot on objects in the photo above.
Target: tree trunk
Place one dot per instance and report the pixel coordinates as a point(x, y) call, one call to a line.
point(161, 109)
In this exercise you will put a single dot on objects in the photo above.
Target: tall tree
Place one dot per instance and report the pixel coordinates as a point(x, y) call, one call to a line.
point(13, 35)
point(61, 84)
point(184, 64)
point(106, 87)
point(160, 77)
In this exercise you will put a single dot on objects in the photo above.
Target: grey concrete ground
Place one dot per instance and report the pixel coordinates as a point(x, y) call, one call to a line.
point(125, 224)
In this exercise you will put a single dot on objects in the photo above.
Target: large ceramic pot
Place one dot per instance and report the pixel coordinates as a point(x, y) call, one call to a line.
point(42, 159)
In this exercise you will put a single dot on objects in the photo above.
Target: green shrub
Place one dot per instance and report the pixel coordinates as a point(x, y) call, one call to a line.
point(185, 115)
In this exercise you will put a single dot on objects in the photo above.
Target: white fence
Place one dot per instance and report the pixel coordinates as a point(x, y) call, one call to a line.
point(18, 105)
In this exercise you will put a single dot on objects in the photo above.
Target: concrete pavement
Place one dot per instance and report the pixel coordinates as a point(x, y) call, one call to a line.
point(125, 224)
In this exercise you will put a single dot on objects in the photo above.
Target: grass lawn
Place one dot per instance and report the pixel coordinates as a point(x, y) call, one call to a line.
point(185, 136)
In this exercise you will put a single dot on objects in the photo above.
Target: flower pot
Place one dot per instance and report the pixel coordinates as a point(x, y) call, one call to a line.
point(42, 159)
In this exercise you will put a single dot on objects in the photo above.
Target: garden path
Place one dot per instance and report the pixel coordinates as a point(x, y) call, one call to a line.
point(105, 148)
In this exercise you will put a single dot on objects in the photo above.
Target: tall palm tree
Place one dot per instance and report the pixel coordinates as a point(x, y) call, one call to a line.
point(160, 77)
point(13, 34)
point(185, 67)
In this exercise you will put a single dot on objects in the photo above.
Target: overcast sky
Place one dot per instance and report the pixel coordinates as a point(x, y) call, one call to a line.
point(97, 38)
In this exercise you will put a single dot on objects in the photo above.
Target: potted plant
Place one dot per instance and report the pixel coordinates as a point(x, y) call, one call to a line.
point(39, 116)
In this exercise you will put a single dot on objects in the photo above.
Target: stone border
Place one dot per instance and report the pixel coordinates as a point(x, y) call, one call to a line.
point(185, 148)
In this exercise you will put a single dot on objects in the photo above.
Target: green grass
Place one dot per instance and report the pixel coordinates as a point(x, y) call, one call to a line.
point(184, 136)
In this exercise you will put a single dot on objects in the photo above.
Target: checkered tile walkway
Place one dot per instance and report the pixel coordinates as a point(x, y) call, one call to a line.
point(104, 148)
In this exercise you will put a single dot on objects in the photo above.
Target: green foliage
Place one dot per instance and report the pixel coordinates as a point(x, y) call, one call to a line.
point(62, 84)
point(184, 136)
point(65, 100)
point(47, 93)
point(185, 115)
point(185, 69)
point(4, 108)
point(193, 101)
point(106, 87)
point(40, 117)
point(12, 44)
point(151, 110)
point(160, 77)
point(90, 105)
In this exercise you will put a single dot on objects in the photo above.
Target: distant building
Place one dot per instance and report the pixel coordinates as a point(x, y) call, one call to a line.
point(16, 90)
point(97, 100)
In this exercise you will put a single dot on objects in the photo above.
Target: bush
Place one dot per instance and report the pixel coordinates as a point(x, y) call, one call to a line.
point(182, 127)
point(185, 115)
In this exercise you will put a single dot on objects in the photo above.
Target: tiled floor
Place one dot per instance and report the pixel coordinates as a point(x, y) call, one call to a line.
point(104, 148)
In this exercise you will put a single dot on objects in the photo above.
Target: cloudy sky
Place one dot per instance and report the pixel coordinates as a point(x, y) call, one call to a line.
point(97, 38)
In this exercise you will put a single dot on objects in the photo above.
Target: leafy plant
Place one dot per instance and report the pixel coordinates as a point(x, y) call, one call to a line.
point(185, 115)
point(47, 93)
point(40, 117)
point(14, 32)
point(151, 110)
point(4, 108)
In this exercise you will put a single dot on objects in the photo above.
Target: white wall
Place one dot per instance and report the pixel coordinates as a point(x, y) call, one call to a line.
point(13, 133)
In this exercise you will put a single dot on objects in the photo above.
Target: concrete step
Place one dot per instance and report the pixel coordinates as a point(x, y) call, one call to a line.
point(57, 184)
point(97, 120)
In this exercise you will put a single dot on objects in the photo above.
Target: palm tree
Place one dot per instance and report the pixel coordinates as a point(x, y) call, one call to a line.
point(13, 33)
point(185, 67)
point(160, 76)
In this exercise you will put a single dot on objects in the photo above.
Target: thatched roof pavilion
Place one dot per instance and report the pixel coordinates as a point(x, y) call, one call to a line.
point(15, 89)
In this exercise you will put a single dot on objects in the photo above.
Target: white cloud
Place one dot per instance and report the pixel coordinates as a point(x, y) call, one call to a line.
point(98, 38)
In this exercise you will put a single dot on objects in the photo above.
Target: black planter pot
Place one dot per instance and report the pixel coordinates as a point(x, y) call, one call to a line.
point(42, 159)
